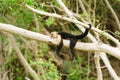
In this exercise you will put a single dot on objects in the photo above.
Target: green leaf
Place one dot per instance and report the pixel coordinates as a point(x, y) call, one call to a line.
point(50, 21)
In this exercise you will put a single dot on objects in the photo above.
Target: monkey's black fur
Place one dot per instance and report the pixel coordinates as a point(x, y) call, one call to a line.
point(73, 40)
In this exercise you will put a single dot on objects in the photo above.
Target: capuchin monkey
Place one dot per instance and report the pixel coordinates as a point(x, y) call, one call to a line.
point(73, 39)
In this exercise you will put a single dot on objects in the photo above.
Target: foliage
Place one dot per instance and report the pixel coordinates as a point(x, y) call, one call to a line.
point(50, 21)
point(46, 68)
point(13, 66)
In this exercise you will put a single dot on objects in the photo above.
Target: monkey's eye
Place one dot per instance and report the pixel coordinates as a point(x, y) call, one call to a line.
point(52, 35)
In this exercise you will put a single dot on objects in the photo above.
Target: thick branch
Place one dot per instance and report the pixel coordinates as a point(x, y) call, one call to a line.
point(44, 38)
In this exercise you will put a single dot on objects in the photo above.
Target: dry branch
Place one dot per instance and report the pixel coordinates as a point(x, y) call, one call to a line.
point(74, 21)
point(90, 36)
point(22, 59)
point(104, 58)
point(114, 14)
point(107, 63)
point(44, 38)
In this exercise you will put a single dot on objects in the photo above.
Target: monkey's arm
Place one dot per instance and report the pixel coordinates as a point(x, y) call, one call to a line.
point(59, 47)
point(72, 45)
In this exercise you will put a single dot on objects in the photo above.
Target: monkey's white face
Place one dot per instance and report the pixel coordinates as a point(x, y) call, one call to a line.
point(57, 36)
point(54, 34)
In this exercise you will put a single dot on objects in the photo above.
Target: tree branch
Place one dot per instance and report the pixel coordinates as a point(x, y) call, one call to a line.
point(114, 14)
point(90, 36)
point(93, 39)
point(98, 67)
point(44, 38)
point(74, 21)
point(107, 63)
point(22, 59)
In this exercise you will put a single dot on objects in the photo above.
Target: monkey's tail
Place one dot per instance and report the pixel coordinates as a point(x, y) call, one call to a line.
point(84, 34)
point(90, 26)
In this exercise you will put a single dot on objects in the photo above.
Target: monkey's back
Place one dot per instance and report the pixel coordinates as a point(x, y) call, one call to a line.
point(66, 35)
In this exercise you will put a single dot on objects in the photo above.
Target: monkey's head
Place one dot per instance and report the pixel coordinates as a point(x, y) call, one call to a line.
point(54, 34)
point(57, 36)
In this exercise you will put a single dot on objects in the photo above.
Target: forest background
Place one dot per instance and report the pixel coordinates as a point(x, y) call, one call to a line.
point(27, 52)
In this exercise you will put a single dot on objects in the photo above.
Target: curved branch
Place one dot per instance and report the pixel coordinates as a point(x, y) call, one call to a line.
point(44, 38)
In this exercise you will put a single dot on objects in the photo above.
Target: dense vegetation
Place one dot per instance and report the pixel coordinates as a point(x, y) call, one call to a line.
point(40, 55)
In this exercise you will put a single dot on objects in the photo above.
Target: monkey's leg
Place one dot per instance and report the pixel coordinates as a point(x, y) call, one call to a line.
point(59, 47)
point(72, 45)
